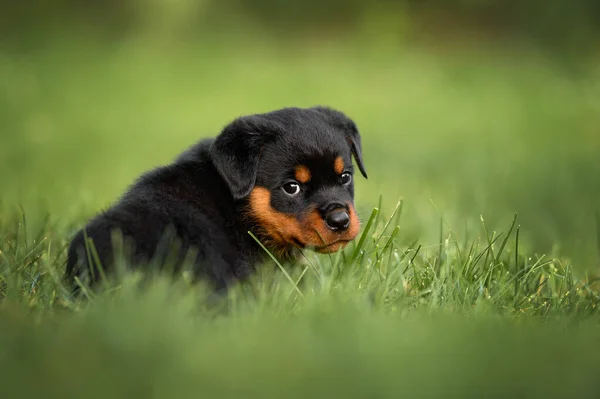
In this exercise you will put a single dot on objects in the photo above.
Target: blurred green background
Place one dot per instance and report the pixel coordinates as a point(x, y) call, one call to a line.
point(466, 107)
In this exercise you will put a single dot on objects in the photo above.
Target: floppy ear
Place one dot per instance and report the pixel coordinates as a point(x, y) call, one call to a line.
point(236, 150)
point(341, 121)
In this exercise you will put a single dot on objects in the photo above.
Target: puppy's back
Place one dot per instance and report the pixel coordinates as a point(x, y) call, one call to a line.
point(186, 197)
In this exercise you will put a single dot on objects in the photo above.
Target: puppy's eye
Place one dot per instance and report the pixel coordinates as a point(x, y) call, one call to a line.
point(291, 189)
point(346, 178)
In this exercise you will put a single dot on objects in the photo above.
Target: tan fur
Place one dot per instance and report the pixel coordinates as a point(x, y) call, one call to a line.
point(285, 231)
point(338, 165)
point(302, 174)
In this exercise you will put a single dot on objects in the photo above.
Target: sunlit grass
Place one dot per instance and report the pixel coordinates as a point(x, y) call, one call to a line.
point(457, 273)
point(375, 319)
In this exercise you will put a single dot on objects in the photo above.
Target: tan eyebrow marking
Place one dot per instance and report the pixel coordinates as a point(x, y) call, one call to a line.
point(302, 174)
point(338, 165)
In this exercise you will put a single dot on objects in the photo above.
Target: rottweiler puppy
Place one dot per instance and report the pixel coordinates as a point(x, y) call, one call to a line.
point(286, 176)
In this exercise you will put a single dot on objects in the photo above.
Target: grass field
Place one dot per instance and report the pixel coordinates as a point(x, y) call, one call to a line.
point(445, 294)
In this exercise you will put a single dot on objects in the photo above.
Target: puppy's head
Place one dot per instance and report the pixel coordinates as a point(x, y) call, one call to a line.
point(294, 168)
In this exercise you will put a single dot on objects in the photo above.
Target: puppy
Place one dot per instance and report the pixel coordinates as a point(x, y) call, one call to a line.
point(286, 176)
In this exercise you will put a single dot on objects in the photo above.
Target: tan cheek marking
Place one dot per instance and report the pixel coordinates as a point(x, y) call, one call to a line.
point(315, 231)
point(283, 229)
point(317, 234)
point(338, 165)
point(302, 174)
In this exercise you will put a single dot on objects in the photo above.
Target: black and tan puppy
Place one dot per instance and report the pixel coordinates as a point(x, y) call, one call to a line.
point(286, 176)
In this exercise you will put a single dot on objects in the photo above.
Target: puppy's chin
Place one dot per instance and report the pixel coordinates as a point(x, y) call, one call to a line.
point(333, 247)
point(317, 242)
point(322, 249)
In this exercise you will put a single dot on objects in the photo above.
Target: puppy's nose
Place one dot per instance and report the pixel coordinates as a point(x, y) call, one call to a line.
point(338, 220)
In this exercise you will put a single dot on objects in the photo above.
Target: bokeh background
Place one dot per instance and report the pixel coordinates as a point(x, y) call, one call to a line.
point(467, 108)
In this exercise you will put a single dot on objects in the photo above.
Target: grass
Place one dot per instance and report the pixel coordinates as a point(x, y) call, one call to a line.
point(481, 281)
point(378, 319)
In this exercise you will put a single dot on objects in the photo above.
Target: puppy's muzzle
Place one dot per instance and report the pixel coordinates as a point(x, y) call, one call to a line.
point(336, 217)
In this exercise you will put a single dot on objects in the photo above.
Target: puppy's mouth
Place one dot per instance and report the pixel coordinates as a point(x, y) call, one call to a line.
point(332, 247)
point(296, 242)
point(324, 249)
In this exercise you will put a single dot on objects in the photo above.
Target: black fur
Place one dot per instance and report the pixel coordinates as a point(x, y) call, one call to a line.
point(202, 196)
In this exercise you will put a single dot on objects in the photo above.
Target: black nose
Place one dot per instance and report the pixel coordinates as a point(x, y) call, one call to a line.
point(337, 220)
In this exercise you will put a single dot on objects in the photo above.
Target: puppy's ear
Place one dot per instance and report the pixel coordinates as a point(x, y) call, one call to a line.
point(236, 151)
point(342, 122)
